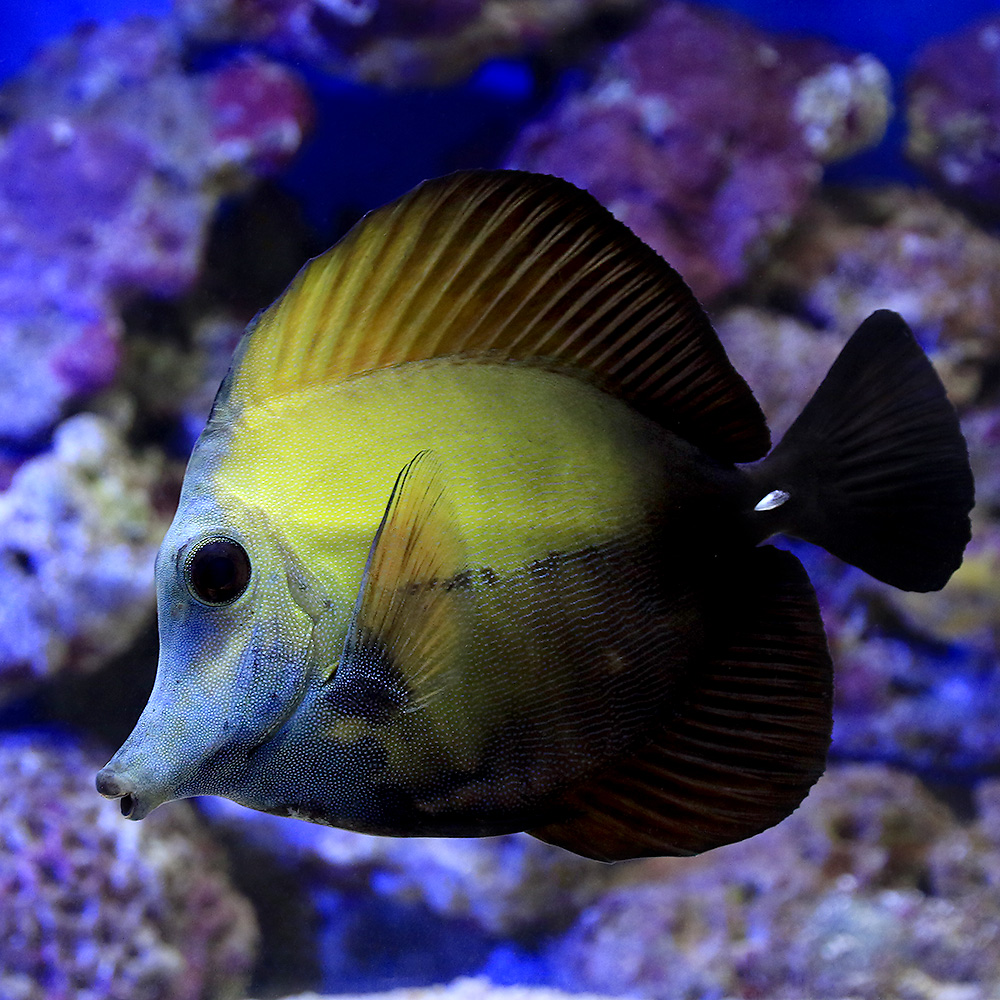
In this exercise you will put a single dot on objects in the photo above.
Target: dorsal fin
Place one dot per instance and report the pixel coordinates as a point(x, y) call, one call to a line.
point(506, 266)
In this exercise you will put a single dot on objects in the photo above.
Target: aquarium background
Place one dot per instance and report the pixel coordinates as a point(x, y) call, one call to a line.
point(166, 168)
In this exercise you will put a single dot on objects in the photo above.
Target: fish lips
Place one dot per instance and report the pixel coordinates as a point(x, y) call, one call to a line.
point(175, 753)
point(136, 799)
point(155, 764)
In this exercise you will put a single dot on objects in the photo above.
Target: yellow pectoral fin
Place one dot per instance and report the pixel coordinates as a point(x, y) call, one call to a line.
point(406, 616)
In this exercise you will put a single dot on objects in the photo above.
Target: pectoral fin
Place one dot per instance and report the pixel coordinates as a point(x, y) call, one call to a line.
point(406, 624)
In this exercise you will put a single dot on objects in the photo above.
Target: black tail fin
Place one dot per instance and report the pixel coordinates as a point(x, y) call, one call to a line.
point(875, 467)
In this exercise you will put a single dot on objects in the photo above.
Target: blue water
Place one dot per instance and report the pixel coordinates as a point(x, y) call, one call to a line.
point(24, 26)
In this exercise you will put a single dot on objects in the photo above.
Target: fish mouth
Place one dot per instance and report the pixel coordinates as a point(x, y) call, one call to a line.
point(135, 802)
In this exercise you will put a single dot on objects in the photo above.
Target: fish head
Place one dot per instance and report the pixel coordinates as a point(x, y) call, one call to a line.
point(237, 653)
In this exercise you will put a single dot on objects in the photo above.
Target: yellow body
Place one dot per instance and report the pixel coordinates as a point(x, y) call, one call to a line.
point(464, 548)
point(532, 462)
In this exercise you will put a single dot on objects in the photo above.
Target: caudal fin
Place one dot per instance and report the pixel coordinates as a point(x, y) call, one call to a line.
point(875, 468)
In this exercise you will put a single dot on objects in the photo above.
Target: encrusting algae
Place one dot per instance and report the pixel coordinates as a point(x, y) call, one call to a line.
point(472, 542)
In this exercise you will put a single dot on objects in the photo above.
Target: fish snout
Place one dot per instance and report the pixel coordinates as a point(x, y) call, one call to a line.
point(114, 784)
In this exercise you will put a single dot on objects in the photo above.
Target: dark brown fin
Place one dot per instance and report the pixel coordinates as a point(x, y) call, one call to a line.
point(742, 752)
point(405, 625)
point(876, 468)
point(505, 265)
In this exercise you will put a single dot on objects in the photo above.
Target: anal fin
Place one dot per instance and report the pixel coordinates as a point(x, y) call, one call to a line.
point(749, 740)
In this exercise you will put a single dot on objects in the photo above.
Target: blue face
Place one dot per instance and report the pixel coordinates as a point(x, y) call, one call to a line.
point(236, 646)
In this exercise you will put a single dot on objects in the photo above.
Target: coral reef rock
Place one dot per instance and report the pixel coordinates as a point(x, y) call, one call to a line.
point(510, 885)
point(110, 172)
point(916, 678)
point(879, 892)
point(782, 358)
point(915, 701)
point(461, 989)
point(399, 42)
point(59, 339)
point(79, 530)
point(173, 379)
point(97, 907)
point(853, 252)
point(706, 135)
point(953, 112)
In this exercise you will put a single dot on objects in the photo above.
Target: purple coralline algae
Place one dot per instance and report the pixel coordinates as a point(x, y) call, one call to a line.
point(97, 908)
point(79, 530)
point(398, 42)
point(909, 698)
point(109, 174)
point(59, 339)
point(953, 112)
point(871, 889)
point(706, 135)
point(782, 358)
point(854, 251)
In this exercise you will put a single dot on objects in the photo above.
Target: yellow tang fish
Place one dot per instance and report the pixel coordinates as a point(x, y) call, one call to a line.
point(466, 546)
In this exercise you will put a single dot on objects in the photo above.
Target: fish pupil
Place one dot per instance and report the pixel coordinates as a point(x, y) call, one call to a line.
point(218, 571)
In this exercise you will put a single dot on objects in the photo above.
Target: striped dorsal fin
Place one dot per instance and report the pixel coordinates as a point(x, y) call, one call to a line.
point(505, 266)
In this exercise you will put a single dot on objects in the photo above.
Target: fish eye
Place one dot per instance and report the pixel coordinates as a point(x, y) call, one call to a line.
point(217, 570)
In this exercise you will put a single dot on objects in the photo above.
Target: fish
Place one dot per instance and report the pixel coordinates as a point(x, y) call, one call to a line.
point(473, 542)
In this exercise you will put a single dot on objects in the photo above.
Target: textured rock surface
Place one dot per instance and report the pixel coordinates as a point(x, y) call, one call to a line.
point(895, 248)
point(399, 42)
point(173, 378)
point(706, 136)
point(79, 529)
point(506, 885)
point(953, 112)
point(914, 700)
point(861, 893)
point(109, 175)
point(461, 989)
point(59, 338)
point(97, 907)
point(782, 358)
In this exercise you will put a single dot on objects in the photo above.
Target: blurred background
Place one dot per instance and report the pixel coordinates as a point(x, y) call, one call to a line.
point(165, 168)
